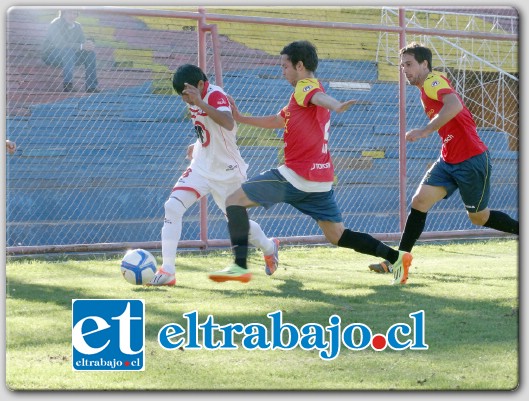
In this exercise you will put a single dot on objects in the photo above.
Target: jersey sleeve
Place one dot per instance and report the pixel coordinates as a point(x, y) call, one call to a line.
point(435, 87)
point(305, 89)
point(219, 101)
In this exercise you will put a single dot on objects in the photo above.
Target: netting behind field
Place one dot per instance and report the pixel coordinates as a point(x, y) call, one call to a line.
point(97, 168)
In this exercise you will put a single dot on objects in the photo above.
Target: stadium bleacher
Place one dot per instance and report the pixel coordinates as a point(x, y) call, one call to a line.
point(98, 168)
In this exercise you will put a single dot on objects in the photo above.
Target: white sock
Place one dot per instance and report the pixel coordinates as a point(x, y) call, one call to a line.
point(171, 232)
point(258, 239)
point(175, 207)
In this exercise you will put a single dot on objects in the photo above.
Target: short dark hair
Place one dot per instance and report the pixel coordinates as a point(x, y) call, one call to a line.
point(419, 52)
point(65, 10)
point(187, 73)
point(304, 51)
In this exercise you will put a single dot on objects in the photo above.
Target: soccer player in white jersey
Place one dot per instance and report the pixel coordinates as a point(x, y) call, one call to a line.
point(216, 167)
point(305, 180)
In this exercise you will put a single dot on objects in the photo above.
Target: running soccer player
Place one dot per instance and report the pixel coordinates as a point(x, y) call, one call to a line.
point(305, 180)
point(464, 162)
point(216, 167)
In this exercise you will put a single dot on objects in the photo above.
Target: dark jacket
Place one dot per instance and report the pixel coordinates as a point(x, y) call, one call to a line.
point(60, 35)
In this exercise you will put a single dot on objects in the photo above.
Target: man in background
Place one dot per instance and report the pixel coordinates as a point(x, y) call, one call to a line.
point(65, 46)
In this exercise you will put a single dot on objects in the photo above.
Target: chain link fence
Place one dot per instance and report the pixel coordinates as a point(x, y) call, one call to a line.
point(96, 168)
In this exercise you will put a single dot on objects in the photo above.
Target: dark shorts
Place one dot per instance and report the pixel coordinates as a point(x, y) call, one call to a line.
point(271, 187)
point(471, 177)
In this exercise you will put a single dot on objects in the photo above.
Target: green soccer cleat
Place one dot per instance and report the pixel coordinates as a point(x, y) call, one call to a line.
point(231, 273)
point(401, 268)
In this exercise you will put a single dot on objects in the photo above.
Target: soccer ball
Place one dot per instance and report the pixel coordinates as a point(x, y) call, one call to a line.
point(138, 266)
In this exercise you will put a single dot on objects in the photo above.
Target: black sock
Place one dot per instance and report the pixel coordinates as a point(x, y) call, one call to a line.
point(502, 222)
point(365, 243)
point(239, 228)
point(413, 229)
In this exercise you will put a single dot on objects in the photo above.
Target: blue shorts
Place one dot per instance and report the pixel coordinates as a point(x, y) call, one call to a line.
point(471, 177)
point(271, 187)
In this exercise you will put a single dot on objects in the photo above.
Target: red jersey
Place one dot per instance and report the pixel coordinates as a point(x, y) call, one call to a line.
point(459, 135)
point(306, 133)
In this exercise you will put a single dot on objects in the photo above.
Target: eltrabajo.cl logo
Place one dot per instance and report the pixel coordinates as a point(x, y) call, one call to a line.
point(108, 334)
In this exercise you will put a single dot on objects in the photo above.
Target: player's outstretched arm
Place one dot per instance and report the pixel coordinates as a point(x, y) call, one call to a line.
point(234, 109)
point(271, 122)
point(330, 103)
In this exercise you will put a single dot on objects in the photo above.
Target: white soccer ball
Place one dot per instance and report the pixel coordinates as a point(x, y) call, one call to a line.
point(138, 266)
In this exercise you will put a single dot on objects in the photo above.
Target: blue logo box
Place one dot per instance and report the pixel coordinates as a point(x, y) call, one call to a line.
point(108, 334)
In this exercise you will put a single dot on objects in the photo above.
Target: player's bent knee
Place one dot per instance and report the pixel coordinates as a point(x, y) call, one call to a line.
point(421, 204)
point(238, 198)
point(478, 219)
point(333, 232)
point(174, 209)
point(417, 203)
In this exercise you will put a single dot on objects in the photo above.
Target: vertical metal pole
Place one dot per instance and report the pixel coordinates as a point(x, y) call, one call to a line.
point(202, 39)
point(403, 207)
point(202, 65)
point(203, 27)
point(216, 55)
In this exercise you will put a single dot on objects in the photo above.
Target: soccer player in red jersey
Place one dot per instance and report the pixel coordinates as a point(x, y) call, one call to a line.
point(464, 163)
point(305, 180)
